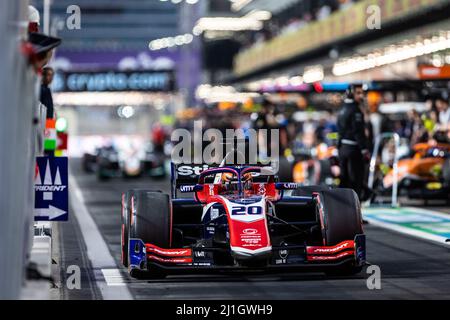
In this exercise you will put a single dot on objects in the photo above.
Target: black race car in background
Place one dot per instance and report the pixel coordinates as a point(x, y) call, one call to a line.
point(89, 161)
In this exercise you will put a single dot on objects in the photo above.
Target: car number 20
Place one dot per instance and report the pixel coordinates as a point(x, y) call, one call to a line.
point(241, 210)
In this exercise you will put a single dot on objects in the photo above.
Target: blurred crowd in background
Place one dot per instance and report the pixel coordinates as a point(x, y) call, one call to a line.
point(308, 126)
point(296, 18)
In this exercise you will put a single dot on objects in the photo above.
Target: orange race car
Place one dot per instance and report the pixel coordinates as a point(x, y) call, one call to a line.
point(426, 175)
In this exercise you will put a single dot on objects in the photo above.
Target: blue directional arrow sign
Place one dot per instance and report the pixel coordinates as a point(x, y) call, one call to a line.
point(51, 189)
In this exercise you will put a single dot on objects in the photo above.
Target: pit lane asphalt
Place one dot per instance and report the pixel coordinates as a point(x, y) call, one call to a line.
point(411, 268)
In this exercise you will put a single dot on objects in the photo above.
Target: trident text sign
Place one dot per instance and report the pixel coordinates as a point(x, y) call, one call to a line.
point(51, 189)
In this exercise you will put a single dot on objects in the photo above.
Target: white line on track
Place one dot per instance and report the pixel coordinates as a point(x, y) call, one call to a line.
point(97, 250)
point(113, 277)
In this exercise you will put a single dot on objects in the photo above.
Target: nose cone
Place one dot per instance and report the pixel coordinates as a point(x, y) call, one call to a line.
point(242, 254)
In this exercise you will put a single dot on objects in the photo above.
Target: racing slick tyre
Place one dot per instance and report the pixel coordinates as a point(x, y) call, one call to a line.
point(125, 231)
point(101, 176)
point(160, 175)
point(343, 221)
point(86, 163)
point(151, 222)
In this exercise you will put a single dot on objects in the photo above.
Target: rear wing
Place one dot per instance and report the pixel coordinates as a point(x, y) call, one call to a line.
point(185, 176)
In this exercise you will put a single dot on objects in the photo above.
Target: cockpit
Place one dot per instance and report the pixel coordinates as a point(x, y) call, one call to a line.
point(239, 182)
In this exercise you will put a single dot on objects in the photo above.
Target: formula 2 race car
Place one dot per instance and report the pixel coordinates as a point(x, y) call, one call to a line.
point(135, 163)
point(240, 218)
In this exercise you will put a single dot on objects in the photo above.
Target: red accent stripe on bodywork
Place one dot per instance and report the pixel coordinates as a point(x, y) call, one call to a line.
point(169, 260)
point(182, 252)
point(331, 257)
point(329, 250)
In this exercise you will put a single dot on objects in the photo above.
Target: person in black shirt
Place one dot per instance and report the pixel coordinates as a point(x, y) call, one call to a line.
point(46, 94)
point(353, 143)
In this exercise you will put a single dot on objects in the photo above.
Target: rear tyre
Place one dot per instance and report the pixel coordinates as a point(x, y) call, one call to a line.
point(342, 221)
point(101, 176)
point(160, 173)
point(86, 163)
point(151, 222)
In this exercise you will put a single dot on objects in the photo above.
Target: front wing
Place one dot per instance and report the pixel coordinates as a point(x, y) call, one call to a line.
point(144, 256)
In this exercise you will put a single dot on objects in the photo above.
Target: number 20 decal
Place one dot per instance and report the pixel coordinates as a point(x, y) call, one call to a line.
point(246, 210)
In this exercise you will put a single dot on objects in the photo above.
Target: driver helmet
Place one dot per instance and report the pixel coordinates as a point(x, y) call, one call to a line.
point(229, 181)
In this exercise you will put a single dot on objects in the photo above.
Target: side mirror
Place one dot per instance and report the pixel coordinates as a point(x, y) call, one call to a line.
point(198, 187)
point(199, 196)
point(287, 185)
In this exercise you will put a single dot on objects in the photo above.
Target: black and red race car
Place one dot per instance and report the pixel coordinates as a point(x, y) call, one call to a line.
point(240, 218)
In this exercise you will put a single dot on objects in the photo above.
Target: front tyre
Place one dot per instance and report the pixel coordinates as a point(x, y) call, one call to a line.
point(342, 220)
point(151, 222)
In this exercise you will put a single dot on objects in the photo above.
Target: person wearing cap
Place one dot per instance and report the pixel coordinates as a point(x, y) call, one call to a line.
point(353, 143)
point(33, 20)
point(35, 38)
